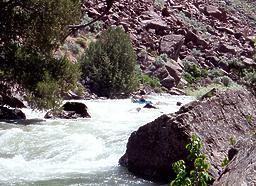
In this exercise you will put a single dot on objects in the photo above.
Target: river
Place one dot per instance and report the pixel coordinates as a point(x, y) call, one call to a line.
point(77, 152)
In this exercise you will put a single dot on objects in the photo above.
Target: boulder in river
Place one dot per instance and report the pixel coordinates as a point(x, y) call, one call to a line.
point(154, 147)
point(70, 110)
point(11, 114)
point(11, 101)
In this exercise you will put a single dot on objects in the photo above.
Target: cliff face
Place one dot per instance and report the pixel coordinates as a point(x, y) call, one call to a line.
point(226, 116)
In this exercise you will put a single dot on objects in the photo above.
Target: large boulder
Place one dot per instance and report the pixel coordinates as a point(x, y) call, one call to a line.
point(174, 70)
point(70, 110)
point(154, 147)
point(171, 45)
point(11, 114)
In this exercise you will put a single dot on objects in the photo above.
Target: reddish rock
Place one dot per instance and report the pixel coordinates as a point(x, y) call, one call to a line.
point(215, 12)
point(225, 48)
point(168, 82)
point(154, 147)
point(161, 73)
point(241, 169)
point(174, 70)
point(197, 40)
point(171, 45)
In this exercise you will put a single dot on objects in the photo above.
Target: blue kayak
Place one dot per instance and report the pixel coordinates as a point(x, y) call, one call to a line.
point(142, 101)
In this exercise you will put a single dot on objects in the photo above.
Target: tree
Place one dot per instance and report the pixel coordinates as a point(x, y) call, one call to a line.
point(108, 65)
point(30, 32)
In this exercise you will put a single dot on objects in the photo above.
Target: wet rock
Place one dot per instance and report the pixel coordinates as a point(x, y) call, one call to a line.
point(11, 114)
point(149, 106)
point(12, 102)
point(154, 147)
point(176, 91)
point(70, 110)
point(72, 95)
point(178, 103)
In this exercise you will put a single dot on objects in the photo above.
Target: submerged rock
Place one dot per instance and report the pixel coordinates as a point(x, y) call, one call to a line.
point(149, 106)
point(154, 147)
point(11, 114)
point(70, 110)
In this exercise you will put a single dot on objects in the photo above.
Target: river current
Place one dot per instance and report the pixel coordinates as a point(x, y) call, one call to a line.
point(82, 152)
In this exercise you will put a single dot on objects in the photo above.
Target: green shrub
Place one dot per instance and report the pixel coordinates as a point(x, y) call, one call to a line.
point(45, 79)
point(108, 65)
point(159, 3)
point(73, 47)
point(81, 42)
point(95, 27)
point(215, 73)
point(193, 72)
point(199, 175)
point(161, 60)
point(251, 78)
point(202, 90)
point(225, 162)
point(226, 81)
point(150, 81)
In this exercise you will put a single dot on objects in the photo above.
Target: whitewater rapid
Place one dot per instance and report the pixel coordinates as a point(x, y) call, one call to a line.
point(77, 152)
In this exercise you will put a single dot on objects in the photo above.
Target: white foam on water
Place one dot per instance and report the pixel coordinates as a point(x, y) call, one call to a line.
point(77, 152)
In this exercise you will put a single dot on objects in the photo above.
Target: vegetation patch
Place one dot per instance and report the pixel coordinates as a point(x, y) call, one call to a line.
point(108, 65)
point(199, 175)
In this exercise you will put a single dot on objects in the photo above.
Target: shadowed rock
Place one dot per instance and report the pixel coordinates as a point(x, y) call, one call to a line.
point(241, 170)
point(70, 110)
point(11, 114)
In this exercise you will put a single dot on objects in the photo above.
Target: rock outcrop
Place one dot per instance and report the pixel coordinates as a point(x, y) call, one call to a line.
point(154, 147)
point(11, 114)
point(241, 170)
point(70, 110)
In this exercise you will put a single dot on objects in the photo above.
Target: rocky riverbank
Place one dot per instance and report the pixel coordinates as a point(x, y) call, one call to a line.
point(222, 119)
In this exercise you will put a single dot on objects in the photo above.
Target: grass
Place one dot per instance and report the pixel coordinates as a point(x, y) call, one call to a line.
point(200, 91)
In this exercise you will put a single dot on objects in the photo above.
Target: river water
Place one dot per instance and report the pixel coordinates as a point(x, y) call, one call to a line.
point(77, 152)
